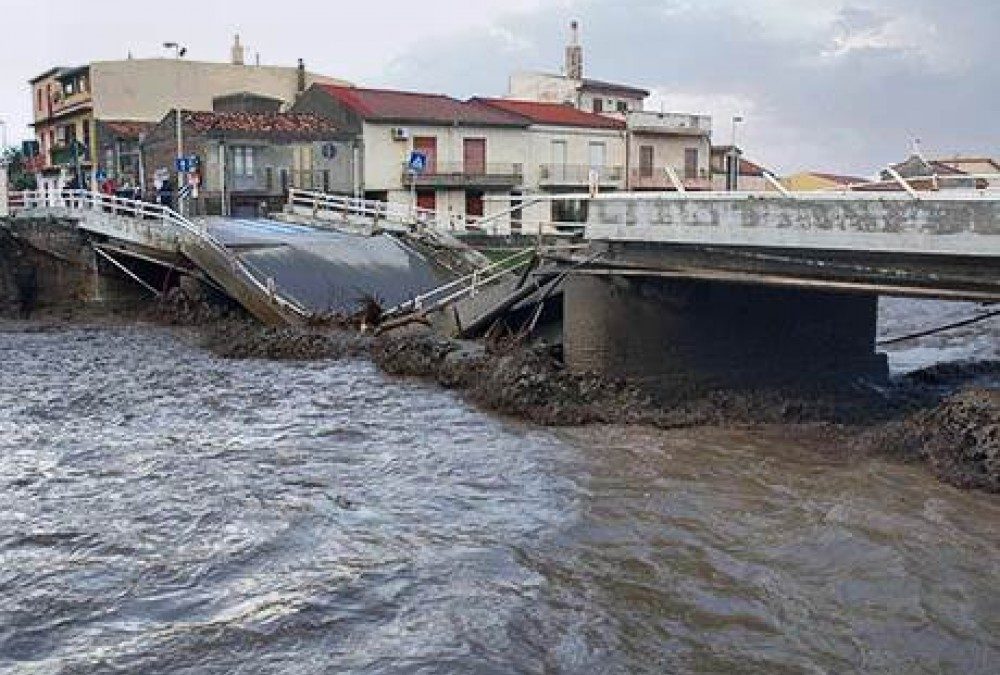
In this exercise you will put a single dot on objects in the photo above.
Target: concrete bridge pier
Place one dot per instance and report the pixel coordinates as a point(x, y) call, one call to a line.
point(688, 332)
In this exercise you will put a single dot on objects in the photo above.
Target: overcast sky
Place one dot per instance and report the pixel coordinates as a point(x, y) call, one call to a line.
point(829, 85)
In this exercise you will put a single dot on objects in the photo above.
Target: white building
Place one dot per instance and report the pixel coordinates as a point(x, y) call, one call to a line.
point(485, 156)
point(658, 144)
point(474, 152)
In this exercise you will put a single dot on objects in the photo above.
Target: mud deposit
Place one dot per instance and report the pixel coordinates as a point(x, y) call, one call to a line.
point(916, 416)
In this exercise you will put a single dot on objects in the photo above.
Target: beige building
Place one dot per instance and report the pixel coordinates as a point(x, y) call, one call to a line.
point(68, 103)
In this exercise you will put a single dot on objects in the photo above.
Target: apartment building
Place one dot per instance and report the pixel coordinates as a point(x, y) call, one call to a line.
point(70, 104)
point(662, 147)
point(474, 151)
point(565, 151)
point(248, 159)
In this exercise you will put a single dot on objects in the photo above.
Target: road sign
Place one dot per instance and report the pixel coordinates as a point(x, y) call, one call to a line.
point(417, 163)
point(101, 175)
point(186, 164)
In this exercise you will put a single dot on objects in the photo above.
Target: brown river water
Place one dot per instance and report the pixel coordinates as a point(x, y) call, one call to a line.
point(162, 510)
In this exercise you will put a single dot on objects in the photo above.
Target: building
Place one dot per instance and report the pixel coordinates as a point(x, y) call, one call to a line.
point(566, 150)
point(473, 151)
point(248, 159)
point(808, 181)
point(658, 144)
point(572, 88)
point(750, 176)
point(976, 166)
point(661, 144)
point(70, 103)
point(924, 174)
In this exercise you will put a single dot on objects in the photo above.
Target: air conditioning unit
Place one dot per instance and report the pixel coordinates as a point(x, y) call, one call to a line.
point(400, 134)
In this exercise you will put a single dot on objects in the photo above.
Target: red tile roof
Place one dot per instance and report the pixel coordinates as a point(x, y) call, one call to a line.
point(553, 114)
point(289, 124)
point(386, 105)
point(127, 129)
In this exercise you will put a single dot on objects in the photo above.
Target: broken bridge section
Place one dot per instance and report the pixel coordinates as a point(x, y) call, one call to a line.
point(737, 288)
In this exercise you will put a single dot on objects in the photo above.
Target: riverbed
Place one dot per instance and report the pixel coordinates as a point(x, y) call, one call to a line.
point(164, 510)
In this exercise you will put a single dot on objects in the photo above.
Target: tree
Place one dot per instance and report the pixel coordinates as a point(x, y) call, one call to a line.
point(20, 177)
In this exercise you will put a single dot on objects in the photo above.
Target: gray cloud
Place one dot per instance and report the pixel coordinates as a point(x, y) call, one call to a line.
point(841, 89)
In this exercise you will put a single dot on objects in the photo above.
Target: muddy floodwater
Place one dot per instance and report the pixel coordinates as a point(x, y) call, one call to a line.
point(162, 510)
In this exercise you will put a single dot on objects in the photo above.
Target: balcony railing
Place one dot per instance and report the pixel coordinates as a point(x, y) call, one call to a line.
point(63, 155)
point(656, 178)
point(579, 174)
point(441, 174)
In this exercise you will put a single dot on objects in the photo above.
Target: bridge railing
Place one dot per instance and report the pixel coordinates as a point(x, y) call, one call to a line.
point(47, 201)
point(325, 206)
point(467, 286)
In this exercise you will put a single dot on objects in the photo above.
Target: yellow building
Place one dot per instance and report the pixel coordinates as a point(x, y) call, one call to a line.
point(809, 181)
point(73, 105)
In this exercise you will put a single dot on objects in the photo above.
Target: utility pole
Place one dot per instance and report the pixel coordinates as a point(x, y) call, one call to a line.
point(732, 182)
point(4, 205)
point(179, 52)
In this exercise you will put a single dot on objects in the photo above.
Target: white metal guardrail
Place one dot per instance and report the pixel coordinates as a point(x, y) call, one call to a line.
point(47, 202)
point(389, 215)
point(467, 286)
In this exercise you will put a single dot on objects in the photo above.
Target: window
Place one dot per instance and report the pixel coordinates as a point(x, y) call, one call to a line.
point(646, 161)
point(598, 105)
point(570, 211)
point(242, 160)
point(40, 107)
point(597, 153)
point(68, 88)
point(474, 207)
point(690, 163)
point(474, 156)
point(623, 106)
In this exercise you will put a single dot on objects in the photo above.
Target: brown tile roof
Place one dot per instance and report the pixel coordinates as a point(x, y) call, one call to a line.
point(840, 180)
point(554, 114)
point(748, 168)
point(969, 160)
point(285, 124)
point(386, 105)
point(128, 129)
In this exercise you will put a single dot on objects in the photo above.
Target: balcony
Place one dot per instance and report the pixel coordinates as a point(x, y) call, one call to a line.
point(656, 178)
point(576, 175)
point(62, 155)
point(680, 124)
point(457, 175)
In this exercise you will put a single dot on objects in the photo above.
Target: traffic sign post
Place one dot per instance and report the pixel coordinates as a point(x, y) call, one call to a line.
point(416, 165)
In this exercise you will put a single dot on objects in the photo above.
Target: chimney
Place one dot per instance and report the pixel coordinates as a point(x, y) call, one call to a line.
point(302, 76)
point(574, 53)
point(239, 54)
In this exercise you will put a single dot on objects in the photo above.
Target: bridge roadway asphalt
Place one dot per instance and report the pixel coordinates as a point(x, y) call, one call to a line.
point(326, 270)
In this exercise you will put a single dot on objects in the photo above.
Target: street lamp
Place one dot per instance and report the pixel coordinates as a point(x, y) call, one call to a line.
point(179, 51)
point(734, 158)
